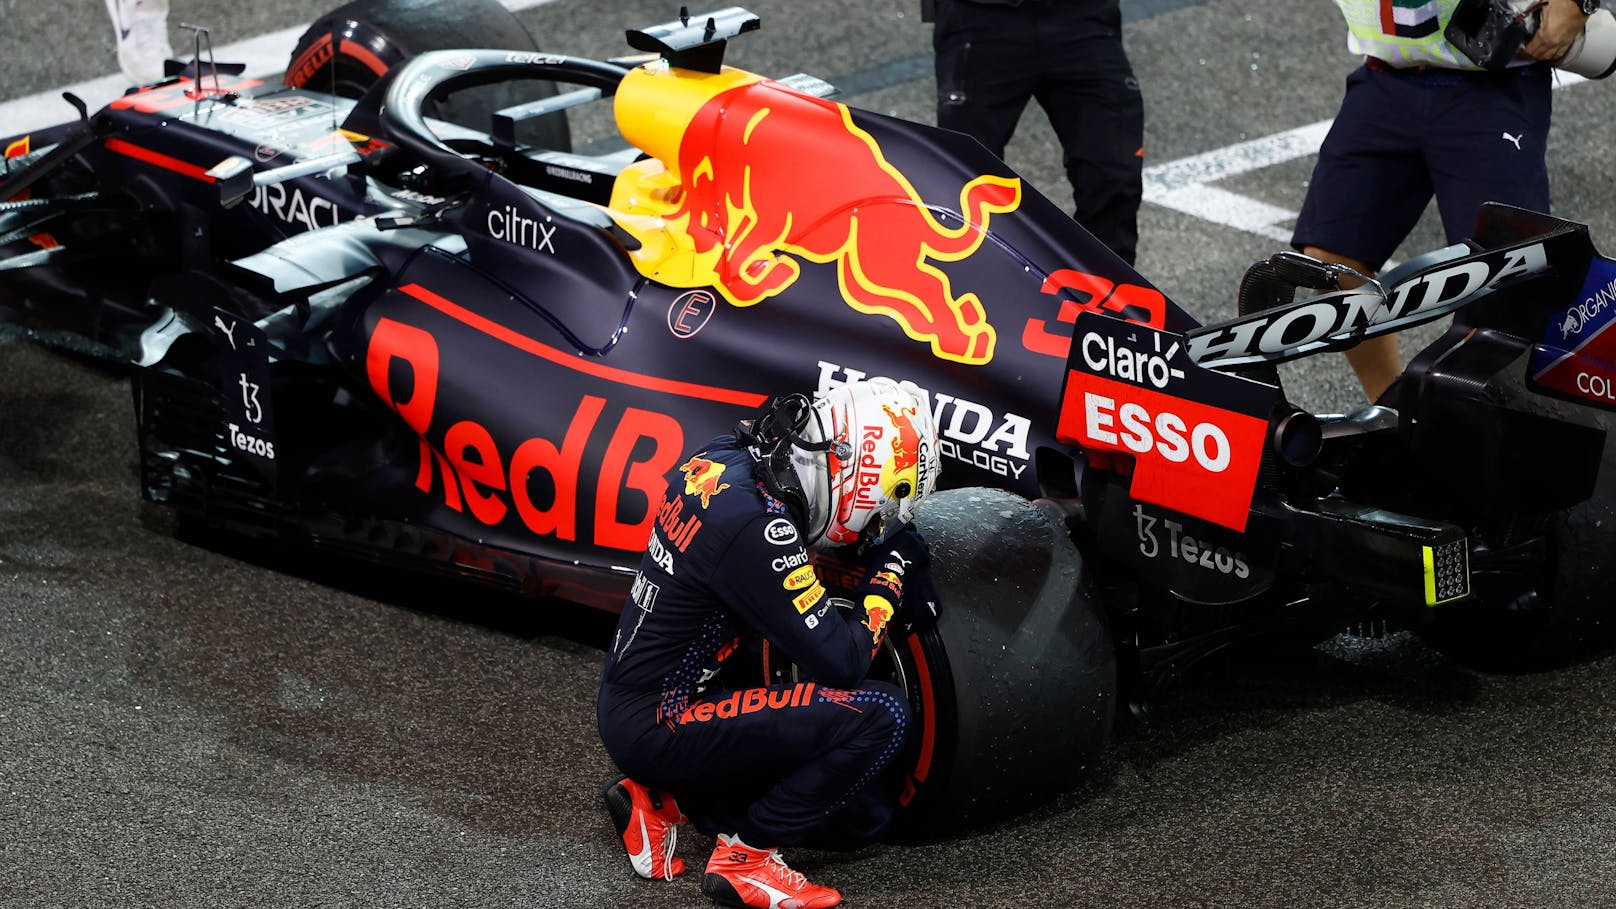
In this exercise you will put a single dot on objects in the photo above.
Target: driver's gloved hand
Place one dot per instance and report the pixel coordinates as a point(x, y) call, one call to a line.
point(902, 559)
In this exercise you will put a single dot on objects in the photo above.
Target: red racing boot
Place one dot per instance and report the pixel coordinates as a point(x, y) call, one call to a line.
point(738, 875)
point(648, 822)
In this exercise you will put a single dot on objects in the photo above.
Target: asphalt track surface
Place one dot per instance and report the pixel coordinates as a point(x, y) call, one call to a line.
point(185, 727)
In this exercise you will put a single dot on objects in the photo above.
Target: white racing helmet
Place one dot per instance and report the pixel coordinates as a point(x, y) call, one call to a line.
point(878, 461)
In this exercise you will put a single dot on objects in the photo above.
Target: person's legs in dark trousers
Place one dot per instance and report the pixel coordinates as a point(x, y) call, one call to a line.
point(798, 767)
point(992, 58)
point(1369, 187)
point(983, 74)
point(1492, 146)
point(1088, 89)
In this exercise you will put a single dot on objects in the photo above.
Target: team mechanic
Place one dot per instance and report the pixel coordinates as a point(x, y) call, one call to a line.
point(728, 558)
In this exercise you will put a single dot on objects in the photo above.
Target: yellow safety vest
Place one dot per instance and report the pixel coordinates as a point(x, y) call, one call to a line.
point(1402, 32)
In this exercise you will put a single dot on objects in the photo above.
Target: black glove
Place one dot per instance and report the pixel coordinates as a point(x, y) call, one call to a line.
point(901, 559)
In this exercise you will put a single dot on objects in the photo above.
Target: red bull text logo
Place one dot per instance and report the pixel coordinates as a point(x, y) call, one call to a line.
point(701, 478)
point(899, 463)
point(751, 205)
point(871, 466)
point(750, 700)
point(535, 480)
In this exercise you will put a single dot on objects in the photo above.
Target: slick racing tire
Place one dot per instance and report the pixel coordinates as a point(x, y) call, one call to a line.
point(1014, 685)
point(1573, 612)
point(349, 50)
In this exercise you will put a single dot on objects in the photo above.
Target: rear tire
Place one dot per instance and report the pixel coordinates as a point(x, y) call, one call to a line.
point(1014, 686)
point(350, 49)
point(1574, 614)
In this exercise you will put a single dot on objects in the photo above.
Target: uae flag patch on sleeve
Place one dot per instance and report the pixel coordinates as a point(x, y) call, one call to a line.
point(1408, 18)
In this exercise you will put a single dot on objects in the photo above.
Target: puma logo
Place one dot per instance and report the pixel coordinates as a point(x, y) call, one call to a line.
point(1515, 139)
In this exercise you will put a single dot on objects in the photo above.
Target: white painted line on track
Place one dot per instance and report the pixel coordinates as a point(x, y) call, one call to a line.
point(1183, 185)
point(265, 55)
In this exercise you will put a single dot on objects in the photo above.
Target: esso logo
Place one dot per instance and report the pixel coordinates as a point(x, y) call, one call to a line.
point(780, 532)
point(1102, 355)
point(1139, 431)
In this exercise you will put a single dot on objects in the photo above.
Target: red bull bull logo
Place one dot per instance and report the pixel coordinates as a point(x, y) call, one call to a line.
point(906, 441)
point(763, 177)
point(877, 615)
point(701, 478)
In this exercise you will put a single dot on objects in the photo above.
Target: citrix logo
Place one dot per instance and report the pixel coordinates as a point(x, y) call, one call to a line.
point(514, 227)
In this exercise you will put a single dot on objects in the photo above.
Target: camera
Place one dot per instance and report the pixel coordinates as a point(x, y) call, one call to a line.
point(1492, 32)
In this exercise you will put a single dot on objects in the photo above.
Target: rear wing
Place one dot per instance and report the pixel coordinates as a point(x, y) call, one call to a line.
point(1435, 287)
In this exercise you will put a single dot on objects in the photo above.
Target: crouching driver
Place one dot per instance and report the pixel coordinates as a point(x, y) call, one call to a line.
point(780, 765)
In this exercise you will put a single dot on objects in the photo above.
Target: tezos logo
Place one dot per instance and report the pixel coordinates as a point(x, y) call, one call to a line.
point(780, 532)
point(1204, 554)
point(251, 444)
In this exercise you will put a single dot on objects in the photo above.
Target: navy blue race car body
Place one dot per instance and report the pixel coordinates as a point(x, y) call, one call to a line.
point(447, 348)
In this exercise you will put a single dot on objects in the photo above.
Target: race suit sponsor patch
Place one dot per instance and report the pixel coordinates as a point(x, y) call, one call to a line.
point(701, 478)
point(750, 700)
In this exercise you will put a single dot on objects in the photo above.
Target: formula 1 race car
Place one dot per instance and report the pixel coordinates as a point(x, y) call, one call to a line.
point(366, 317)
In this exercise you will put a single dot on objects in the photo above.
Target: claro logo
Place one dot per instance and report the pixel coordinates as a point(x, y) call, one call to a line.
point(1101, 354)
point(539, 479)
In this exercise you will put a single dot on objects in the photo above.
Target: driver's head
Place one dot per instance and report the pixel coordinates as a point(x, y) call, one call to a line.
point(870, 458)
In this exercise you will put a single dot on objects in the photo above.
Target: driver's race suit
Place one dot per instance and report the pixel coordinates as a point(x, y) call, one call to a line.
point(784, 764)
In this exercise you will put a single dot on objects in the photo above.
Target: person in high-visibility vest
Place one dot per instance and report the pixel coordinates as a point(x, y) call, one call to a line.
point(1420, 119)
